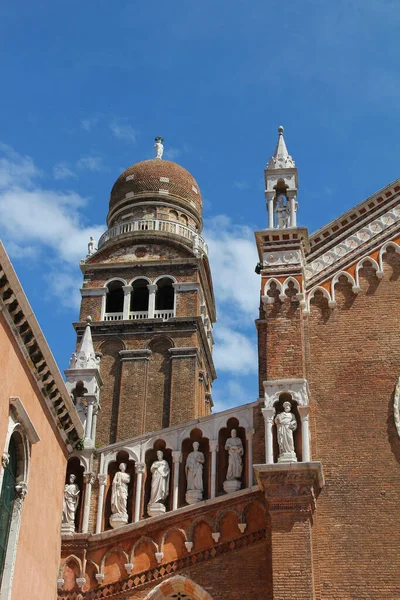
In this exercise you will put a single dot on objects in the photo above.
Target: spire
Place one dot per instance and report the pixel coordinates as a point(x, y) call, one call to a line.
point(281, 158)
point(85, 357)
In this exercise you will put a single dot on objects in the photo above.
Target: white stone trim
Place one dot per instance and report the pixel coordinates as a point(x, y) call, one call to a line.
point(396, 406)
point(24, 419)
point(297, 388)
point(92, 292)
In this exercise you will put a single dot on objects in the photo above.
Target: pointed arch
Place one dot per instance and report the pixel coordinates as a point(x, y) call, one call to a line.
point(383, 250)
point(374, 265)
point(72, 558)
point(349, 278)
point(325, 294)
point(178, 584)
point(296, 284)
point(267, 288)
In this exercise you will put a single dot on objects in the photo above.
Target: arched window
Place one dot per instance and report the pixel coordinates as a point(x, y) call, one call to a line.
point(7, 497)
point(114, 301)
point(165, 298)
point(139, 299)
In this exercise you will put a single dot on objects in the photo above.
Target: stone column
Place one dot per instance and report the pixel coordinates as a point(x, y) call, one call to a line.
point(139, 469)
point(268, 414)
point(91, 401)
point(104, 303)
point(291, 491)
point(100, 503)
point(293, 212)
point(249, 438)
point(152, 287)
point(177, 458)
point(89, 479)
point(127, 301)
point(270, 199)
point(214, 449)
point(304, 411)
point(133, 393)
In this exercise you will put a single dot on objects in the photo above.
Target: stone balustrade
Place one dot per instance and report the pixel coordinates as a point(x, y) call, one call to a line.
point(160, 225)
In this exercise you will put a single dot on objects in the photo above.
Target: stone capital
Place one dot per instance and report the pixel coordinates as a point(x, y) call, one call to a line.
point(213, 445)
point(140, 468)
point(152, 287)
point(102, 479)
point(176, 456)
point(89, 478)
point(250, 433)
point(268, 414)
point(127, 289)
point(304, 411)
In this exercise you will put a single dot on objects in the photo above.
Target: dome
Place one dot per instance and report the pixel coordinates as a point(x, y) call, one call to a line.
point(158, 178)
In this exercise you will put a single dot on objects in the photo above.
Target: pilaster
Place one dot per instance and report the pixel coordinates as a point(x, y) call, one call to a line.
point(184, 382)
point(133, 393)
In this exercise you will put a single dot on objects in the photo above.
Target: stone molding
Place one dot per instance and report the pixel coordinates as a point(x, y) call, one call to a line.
point(190, 352)
point(297, 388)
point(24, 419)
point(186, 286)
point(396, 406)
point(292, 487)
point(92, 292)
point(143, 354)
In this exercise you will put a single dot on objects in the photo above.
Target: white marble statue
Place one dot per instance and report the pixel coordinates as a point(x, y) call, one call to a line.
point(119, 497)
point(194, 475)
point(159, 485)
point(91, 246)
point(70, 504)
point(286, 423)
point(235, 452)
point(282, 213)
point(159, 147)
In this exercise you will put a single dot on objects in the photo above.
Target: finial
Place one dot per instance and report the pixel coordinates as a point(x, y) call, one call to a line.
point(88, 319)
point(280, 129)
point(159, 146)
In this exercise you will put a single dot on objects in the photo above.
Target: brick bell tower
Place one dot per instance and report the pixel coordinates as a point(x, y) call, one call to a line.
point(149, 293)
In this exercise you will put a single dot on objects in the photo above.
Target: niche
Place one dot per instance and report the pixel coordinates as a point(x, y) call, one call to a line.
point(187, 448)
point(151, 456)
point(74, 467)
point(297, 437)
point(223, 458)
point(113, 467)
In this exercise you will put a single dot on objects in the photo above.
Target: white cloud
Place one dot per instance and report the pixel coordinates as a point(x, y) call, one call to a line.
point(234, 352)
point(62, 171)
point(90, 122)
point(40, 222)
point(90, 163)
point(171, 153)
point(233, 257)
point(234, 393)
point(123, 131)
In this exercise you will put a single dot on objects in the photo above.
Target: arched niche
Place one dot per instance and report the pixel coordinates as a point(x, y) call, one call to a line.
point(74, 467)
point(150, 457)
point(223, 457)
point(173, 545)
point(113, 467)
point(297, 437)
point(196, 435)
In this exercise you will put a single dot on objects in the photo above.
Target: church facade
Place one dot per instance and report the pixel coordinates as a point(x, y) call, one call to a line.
point(294, 495)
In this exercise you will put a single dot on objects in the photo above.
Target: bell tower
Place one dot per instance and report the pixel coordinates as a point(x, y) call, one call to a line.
point(148, 289)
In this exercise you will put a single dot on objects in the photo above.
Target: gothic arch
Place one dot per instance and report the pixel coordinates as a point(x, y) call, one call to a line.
point(177, 584)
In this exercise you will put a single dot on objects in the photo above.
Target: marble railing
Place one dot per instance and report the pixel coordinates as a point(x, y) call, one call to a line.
point(155, 225)
point(140, 314)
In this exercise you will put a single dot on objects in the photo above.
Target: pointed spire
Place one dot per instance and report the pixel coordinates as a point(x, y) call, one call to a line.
point(85, 357)
point(281, 158)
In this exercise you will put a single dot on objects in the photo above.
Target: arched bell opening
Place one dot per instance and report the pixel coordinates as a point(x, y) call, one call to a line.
point(165, 297)
point(187, 448)
point(297, 435)
point(139, 298)
point(114, 300)
point(75, 468)
point(223, 455)
point(150, 458)
point(113, 468)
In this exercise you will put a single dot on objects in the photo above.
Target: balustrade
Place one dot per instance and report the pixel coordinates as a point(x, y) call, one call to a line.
point(155, 225)
point(214, 434)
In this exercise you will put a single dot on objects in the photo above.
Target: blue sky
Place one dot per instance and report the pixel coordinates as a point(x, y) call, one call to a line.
point(86, 86)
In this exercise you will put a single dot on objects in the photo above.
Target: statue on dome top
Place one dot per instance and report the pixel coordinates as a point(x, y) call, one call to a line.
point(159, 146)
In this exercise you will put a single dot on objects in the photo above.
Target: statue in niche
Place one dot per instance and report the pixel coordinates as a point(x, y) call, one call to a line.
point(70, 504)
point(119, 497)
point(286, 423)
point(159, 485)
point(282, 212)
point(194, 475)
point(235, 450)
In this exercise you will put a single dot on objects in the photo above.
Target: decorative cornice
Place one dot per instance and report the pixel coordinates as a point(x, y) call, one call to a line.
point(39, 359)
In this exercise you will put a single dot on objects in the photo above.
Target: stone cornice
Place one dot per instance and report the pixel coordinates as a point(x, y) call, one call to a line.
point(38, 357)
